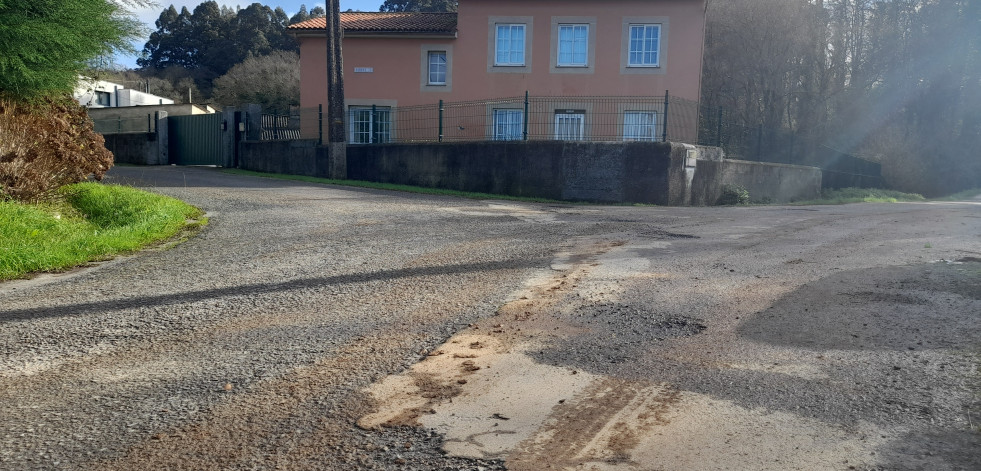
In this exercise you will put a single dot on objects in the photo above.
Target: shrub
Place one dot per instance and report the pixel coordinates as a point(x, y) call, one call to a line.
point(733, 194)
point(46, 146)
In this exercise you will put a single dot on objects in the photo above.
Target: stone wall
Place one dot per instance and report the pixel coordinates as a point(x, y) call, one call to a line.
point(136, 148)
point(765, 182)
point(606, 172)
point(576, 171)
point(298, 157)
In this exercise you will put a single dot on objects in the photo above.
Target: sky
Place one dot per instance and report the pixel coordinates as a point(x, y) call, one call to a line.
point(150, 15)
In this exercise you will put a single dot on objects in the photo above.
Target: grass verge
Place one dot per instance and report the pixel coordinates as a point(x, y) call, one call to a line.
point(89, 222)
point(862, 195)
point(961, 195)
point(396, 187)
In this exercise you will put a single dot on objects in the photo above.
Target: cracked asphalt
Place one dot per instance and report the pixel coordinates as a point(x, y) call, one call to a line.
point(769, 337)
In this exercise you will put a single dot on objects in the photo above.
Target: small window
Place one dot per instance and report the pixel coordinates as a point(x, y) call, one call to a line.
point(437, 68)
point(640, 126)
point(103, 98)
point(370, 125)
point(510, 45)
point(645, 43)
point(570, 125)
point(508, 125)
point(573, 45)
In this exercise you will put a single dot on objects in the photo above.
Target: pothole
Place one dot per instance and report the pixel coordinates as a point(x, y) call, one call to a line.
point(636, 320)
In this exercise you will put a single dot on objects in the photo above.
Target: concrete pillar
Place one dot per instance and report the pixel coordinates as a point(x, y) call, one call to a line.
point(163, 138)
point(253, 122)
point(228, 136)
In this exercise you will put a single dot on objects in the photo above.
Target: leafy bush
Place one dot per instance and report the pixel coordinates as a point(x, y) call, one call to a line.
point(733, 194)
point(46, 146)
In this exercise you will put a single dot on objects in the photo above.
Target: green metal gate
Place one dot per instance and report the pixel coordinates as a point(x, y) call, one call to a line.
point(197, 140)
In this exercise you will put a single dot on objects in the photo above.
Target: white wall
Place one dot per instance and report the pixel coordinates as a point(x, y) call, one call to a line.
point(88, 93)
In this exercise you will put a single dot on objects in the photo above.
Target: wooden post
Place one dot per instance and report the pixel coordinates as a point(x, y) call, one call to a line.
point(337, 147)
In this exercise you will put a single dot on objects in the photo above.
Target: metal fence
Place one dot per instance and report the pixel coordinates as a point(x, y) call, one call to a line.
point(578, 118)
point(296, 123)
point(780, 145)
point(125, 125)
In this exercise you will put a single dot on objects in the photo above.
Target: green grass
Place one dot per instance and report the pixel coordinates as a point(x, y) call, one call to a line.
point(862, 195)
point(396, 187)
point(91, 221)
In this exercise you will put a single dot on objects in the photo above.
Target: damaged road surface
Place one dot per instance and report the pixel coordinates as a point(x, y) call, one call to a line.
point(316, 327)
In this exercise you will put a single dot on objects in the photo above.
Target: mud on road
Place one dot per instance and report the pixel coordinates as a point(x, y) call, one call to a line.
point(313, 327)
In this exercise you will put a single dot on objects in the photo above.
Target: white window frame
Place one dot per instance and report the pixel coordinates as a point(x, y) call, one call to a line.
point(640, 50)
point(511, 51)
point(434, 75)
point(583, 42)
point(640, 126)
point(373, 130)
point(509, 124)
point(566, 128)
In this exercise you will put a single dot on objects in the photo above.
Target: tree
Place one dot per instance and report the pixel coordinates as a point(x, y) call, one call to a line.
point(303, 15)
point(419, 5)
point(895, 81)
point(46, 44)
point(272, 81)
point(211, 40)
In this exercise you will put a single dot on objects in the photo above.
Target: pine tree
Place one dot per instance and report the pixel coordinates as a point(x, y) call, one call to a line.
point(46, 44)
point(419, 5)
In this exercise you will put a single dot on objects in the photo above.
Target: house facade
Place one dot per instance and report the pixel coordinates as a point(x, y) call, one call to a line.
point(102, 94)
point(494, 49)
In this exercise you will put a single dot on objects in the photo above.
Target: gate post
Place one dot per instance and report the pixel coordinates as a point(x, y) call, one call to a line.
point(163, 137)
point(253, 122)
point(373, 127)
point(525, 124)
point(227, 128)
point(664, 133)
point(718, 134)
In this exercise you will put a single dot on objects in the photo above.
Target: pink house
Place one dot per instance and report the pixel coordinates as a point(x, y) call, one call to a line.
point(489, 49)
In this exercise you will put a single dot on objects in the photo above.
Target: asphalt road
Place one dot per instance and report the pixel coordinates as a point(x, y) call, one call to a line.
point(318, 327)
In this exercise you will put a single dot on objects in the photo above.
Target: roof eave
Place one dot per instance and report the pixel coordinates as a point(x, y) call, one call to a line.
point(312, 33)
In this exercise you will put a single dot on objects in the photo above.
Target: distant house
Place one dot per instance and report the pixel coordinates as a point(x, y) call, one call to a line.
point(504, 48)
point(103, 94)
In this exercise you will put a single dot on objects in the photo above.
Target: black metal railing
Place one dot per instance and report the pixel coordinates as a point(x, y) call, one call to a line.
point(576, 118)
point(527, 117)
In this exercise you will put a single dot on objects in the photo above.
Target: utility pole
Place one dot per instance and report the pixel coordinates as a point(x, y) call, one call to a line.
point(336, 135)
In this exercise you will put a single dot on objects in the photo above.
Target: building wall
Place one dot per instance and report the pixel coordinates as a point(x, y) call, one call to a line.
point(681, 52)
point(87, 94)
point(143, 112)
point(397, 76)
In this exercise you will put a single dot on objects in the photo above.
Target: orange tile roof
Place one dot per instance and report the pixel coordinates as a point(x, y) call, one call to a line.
point(385, 22)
